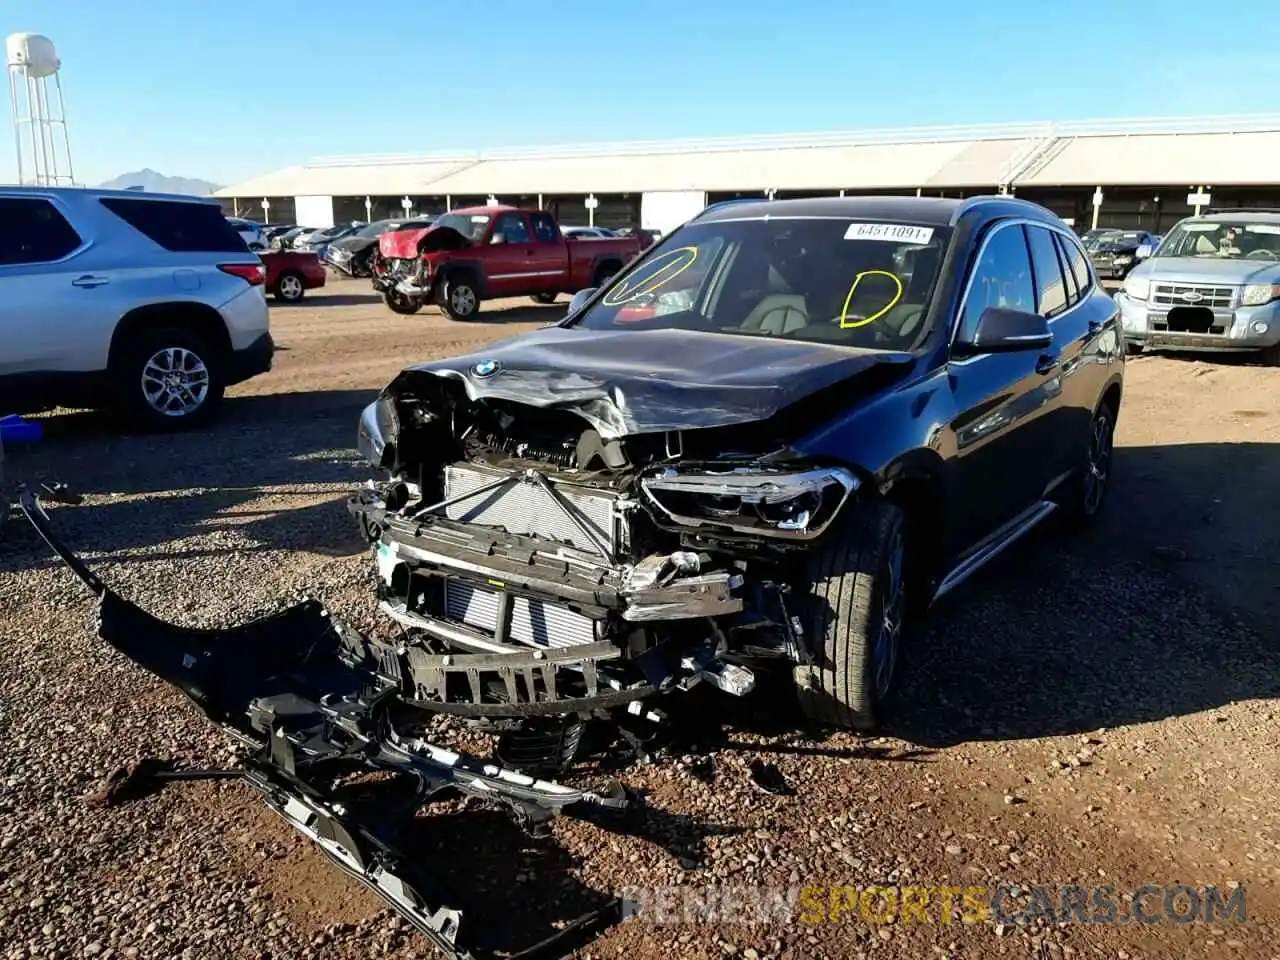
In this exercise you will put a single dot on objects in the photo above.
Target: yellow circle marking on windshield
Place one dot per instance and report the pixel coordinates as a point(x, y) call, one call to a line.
point(846, 323)
point(629, 289)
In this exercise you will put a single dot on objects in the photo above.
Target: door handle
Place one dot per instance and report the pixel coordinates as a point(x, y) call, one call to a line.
point(89, 280)
point(1046, 363)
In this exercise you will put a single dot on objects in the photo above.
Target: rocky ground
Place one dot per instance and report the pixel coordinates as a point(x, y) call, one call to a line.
point(1096, 711)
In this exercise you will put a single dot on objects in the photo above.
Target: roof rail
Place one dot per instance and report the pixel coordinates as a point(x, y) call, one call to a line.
point(1214, 210)
point(728, 203)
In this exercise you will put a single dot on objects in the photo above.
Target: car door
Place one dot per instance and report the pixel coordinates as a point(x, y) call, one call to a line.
point(551, 255)
point(51, 319)
point(509, 258)
point(1088, 340)
point(1001, 400)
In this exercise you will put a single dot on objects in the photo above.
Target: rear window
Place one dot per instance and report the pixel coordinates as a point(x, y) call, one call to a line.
point(179, 227)
point(34, 232)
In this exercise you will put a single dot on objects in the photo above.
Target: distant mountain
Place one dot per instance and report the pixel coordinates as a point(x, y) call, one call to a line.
point(152, 182)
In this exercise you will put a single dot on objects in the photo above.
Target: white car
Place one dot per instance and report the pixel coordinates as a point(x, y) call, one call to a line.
point(150, 303)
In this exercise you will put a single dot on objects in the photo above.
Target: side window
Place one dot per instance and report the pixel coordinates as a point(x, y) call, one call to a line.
point(1051, 294)
point(512, 228)
point(34, 232)
point(1001, 278)
point(1075, 259)
point(179, 227)
point(544, 228)
point(1060, 244)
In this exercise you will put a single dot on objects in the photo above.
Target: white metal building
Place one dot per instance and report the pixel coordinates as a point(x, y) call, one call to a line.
point(1144, 173)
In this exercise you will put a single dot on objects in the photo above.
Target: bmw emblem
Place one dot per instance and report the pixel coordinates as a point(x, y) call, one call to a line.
point(485, 368)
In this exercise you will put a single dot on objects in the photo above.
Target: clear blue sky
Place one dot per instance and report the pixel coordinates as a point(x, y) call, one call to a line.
point(224, 90)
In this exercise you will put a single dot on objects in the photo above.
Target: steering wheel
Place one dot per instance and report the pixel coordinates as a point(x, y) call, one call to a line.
point(1262, 253)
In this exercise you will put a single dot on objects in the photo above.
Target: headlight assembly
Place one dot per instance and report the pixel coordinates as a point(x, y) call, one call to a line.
point(378, 431)
point(772, 503)
point(1256, 294)
point(1137, 287)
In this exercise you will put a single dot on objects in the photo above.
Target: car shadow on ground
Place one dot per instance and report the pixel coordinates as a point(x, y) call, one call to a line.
point(1165, 608)
point(274, 469)
point(319, 298)
point(526, 313)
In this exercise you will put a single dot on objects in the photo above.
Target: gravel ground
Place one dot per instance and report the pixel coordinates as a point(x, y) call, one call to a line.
point(1099, 710)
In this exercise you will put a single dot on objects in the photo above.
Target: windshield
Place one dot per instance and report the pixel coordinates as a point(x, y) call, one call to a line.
point(470, 225)
point(821, 280)
point(333, 233)
point(376, 228)
point(1224, 240)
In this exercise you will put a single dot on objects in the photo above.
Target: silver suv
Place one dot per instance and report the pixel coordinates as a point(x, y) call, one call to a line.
point(148, 303)
point(1212, 284)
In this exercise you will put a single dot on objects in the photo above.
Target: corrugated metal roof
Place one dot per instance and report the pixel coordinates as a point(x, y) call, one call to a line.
point(1199, 158)
point(794, 168)
point(1215, 150)
point(349, 179)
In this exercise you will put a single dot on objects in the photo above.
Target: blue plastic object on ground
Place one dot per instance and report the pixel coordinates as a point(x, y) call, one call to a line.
point(14, 430)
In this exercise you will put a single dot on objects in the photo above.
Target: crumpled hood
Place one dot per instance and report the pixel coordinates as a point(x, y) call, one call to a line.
point(629, 382)
point(353, 244)
point(401, 244)
point(1208, 270)
point(410, 244)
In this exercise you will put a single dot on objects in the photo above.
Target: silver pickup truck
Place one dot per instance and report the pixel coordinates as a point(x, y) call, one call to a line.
point(1213, 284)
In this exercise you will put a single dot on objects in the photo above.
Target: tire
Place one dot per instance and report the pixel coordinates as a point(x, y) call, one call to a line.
point(460, 299)
point(546, 299)
point(290, 287)
point(857, 576)
point(138, 386)
point(399, 303)
point(604, 273)
point(1270, 356)
point(1084, 495)
point(1133, 349)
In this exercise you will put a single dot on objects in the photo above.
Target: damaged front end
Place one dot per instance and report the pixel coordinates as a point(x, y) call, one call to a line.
point(546, 565)
point(404, 267)
point(319, 706)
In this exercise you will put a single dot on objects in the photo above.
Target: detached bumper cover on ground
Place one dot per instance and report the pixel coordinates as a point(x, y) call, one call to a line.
point(318, 702)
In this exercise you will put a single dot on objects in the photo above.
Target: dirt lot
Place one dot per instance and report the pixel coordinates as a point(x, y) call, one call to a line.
point(1098, 711)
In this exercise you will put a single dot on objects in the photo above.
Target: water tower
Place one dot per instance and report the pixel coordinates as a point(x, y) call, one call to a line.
point(39, 119)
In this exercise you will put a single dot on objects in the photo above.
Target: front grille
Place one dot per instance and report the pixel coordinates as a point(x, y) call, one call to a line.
point(533, 622)
point(527, 509)
point(1193, 295)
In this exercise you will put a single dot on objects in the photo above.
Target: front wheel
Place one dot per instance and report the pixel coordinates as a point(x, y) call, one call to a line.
point(168, 379)
point(858, 612)
point(1085, 492)
point(460, 300)
point(545, 299)
point(399, 303)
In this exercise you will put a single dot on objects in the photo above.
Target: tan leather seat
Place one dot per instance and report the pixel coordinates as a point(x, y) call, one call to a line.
point(777, 314)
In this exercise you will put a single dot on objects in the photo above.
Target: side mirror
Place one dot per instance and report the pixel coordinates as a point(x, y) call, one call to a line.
point(498, 238)
point(1001, 330)
point(1144, 250)
point(580, 300)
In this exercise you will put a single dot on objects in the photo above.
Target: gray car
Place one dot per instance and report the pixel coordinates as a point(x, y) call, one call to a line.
point(148, 303)
point(1213, 284)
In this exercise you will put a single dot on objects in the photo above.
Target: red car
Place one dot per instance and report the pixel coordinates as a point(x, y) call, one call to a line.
point(481, 253)
point(291, 274)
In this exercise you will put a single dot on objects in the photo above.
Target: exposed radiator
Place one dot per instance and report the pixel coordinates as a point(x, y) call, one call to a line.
point(527, 509)
point(533, 622)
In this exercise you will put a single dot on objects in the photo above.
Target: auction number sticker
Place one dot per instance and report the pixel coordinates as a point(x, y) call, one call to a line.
point(893, 232)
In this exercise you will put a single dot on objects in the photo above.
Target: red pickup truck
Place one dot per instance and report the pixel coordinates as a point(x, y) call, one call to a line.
point(481, 253)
